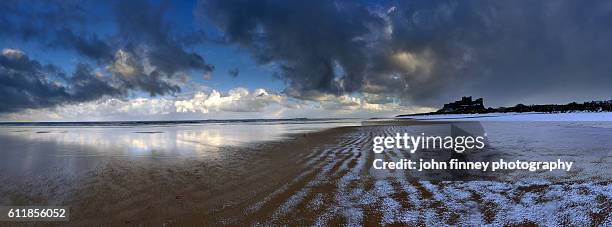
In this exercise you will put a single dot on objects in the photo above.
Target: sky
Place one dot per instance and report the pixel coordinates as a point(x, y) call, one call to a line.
point(66, 60)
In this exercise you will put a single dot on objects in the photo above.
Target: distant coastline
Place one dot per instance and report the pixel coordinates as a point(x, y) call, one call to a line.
point(469, 106)
point(162, 122)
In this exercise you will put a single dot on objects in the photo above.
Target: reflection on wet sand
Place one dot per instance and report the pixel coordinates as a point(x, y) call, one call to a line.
point(179, 140)
point(59, 151)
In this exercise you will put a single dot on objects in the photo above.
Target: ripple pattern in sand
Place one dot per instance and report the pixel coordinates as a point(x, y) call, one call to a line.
point(339, 186)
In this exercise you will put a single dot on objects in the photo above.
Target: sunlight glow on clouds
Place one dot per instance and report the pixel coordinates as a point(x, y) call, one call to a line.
point(236, 103)
point(123, 64)
point(419, 65)
point(236, 100)
point(12, 53)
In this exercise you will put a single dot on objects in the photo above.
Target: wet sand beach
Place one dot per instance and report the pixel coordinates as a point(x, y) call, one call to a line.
point(318, 178)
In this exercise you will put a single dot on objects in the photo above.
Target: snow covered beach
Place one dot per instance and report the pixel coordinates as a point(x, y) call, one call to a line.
point(529, 116)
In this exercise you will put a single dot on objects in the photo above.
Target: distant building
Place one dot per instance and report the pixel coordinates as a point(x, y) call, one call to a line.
point(465, 105)
point(468, 106)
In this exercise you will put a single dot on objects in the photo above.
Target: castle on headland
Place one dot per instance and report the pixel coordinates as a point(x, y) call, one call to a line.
point(469, 106)
point(465, 105)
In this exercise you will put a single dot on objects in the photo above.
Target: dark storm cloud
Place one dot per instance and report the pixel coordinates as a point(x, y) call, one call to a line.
point(144, 33)
point(89, 45)
point(53, 24)
point(140, 22)
point(428, 52)
point(34, 20)
point(86, 86)
point(310, 39)
point(25, 84)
